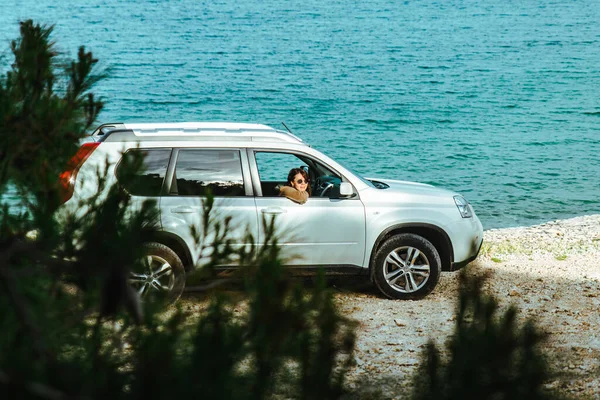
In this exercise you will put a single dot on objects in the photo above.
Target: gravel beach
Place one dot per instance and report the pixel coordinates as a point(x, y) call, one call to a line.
point(551, 272)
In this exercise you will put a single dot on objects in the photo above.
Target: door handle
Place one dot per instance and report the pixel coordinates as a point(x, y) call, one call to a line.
point(182, 210)
point(273, 210)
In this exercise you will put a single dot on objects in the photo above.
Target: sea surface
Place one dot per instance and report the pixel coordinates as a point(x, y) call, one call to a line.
point(497, 100)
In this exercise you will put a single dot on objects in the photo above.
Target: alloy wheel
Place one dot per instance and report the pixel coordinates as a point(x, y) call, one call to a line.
point(154, 275)
point(406, 269)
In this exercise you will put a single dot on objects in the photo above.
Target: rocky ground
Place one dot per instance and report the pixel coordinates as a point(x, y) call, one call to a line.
point(551, 272)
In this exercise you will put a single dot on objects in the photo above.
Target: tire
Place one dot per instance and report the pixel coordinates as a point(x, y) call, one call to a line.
point(397, 280)
point(160, 275)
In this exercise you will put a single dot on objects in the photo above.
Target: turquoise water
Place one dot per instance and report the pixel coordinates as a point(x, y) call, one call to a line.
point(499, 101)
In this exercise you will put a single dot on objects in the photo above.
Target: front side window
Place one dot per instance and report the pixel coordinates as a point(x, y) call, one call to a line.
point(199, 172)
point(142, 171)
point(273, 169)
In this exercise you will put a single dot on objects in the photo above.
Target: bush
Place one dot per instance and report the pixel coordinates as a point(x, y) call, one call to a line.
point(488, 356)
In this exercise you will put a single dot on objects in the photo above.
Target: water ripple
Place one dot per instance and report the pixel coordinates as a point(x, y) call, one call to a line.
point(499, 102)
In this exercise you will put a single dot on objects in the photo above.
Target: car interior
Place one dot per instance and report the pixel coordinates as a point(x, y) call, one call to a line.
point(323, 182)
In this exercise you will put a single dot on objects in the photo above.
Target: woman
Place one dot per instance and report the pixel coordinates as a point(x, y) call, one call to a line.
point(297, 188)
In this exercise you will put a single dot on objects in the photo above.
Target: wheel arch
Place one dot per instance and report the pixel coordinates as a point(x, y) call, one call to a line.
point(175, 243)
point(436, 235)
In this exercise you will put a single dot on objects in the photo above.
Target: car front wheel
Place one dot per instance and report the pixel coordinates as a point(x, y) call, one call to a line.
point(406, 266)
point(160, 273)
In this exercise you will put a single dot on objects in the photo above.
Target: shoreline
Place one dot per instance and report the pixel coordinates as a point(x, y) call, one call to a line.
point(579, 219)
point(542, 220)
point(560, 238)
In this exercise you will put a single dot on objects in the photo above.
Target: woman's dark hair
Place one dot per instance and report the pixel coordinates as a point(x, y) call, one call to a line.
point(292, 175)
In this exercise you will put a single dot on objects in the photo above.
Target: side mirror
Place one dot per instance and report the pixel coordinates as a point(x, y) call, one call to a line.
point(346, 189)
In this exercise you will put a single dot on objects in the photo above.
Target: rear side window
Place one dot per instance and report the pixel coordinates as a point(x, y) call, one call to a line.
point(142, 172)
point(199, 171)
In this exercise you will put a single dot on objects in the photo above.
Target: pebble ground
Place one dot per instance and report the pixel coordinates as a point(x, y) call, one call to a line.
point(551, 272)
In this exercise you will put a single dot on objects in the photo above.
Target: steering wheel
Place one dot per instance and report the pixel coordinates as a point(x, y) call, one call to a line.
point(322, 187)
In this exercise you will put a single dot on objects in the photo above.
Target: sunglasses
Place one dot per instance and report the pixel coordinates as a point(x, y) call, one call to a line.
point(301, 181)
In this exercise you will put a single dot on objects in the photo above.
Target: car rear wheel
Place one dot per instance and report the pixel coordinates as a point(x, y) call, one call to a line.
point(160, 274)
point(406, 266)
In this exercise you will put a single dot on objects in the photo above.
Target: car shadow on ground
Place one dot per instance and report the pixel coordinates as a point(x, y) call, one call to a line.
point(343, 284)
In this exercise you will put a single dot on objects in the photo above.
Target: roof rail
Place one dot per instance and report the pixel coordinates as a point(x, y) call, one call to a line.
point(108, 127)
point(191, 131)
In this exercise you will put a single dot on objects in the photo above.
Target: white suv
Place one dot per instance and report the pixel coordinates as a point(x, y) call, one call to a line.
point(400, 234)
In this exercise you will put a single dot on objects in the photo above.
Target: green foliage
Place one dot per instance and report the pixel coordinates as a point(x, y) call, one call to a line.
point(44, 112)
point(489, 356)
point(290, 341)
point(71, 324)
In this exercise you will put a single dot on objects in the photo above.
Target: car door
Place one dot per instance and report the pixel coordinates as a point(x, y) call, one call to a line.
point(193, 173)
point(327, 230)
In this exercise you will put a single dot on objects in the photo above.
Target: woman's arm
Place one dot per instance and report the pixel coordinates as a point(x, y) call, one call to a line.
point(293, 194)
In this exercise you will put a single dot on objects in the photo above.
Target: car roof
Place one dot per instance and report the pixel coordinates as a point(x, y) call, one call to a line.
point(196, 131)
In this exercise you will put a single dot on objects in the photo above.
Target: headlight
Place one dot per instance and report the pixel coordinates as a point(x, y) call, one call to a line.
point(463, 207)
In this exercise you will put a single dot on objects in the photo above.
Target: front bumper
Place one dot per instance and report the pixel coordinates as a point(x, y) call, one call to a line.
point(458, 265)
point(467, 238)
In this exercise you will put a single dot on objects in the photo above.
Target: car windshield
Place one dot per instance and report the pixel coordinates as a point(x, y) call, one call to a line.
point(359, 176)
